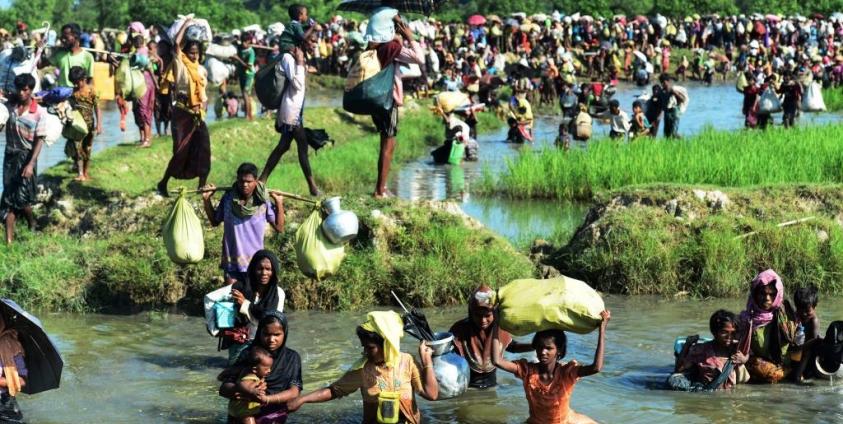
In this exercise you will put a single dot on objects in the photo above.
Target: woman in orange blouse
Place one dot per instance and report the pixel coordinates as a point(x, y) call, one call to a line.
point(548, 384)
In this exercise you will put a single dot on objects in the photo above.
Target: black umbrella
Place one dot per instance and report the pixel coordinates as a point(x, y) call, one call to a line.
point(424, 7)
point(42, 358)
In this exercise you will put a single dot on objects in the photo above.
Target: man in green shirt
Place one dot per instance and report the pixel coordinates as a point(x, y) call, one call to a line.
point(71, 54)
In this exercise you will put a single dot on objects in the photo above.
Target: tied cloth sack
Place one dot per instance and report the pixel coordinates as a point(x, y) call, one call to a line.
point(316, 256)
point(182, 233)
point(561, 303)
point(130, 81)
point(368, 88)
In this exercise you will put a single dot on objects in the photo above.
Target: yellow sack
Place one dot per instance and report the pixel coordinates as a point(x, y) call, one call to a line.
point(367, 66)
point(316, 255)
point(182, 233)
point(562, 303)
point(450, 100)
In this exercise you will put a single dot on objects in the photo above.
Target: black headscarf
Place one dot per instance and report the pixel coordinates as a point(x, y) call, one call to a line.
point(269, 302)
point(286, 363)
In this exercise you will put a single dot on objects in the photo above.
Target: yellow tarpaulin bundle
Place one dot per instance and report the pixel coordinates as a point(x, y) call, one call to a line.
point(562, 303)
point(316, 255)
point(182, 233)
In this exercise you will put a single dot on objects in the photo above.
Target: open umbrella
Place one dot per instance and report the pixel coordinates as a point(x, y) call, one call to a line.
point(476, 20)
point(424, 7)
point(494, 18)
point(773, 18)
point(42, 358)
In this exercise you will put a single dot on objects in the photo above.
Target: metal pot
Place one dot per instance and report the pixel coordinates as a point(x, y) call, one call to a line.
point(340, 226)
point(451, 369)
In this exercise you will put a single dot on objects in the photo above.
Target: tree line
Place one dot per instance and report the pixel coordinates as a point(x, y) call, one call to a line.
point(228, 14)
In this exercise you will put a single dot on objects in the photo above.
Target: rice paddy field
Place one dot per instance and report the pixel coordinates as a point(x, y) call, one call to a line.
point(806, 154)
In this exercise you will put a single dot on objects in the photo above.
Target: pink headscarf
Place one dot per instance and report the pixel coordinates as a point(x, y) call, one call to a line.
point(754, 314)
point(758, 316)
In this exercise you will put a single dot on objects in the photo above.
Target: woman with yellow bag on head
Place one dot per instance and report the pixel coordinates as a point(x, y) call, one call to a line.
point(388, 379)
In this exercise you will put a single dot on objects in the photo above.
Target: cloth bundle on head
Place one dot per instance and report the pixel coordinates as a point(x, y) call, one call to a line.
point(381, 28)
point(9, 348)
point(390, 326)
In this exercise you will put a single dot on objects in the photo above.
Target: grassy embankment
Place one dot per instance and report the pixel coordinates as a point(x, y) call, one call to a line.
point(807, 154)
point(102, 249)
point(666, 239)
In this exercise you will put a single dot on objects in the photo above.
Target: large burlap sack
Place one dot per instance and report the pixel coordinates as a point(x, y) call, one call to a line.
point(182, 232)
point(450, 100)
point(316, 256)
point(528, 306)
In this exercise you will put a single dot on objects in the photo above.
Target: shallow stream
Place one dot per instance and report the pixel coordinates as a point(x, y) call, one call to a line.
point(161, 368)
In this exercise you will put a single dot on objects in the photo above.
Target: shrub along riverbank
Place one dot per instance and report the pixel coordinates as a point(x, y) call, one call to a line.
point(100, 248)
point(701, 241)
point(806, 154)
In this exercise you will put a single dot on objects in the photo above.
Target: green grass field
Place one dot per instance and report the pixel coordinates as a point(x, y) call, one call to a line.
point(807, 154)
point(109, 254)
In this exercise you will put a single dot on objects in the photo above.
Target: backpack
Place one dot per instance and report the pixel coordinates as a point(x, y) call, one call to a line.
point(269, 84)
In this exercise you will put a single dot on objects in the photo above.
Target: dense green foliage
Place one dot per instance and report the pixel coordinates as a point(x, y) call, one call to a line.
point(665, 240)
point(229, 14)
point(806, 154)
point(103, 250)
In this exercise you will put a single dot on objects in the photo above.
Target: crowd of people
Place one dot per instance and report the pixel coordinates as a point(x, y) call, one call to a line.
point(573, 61)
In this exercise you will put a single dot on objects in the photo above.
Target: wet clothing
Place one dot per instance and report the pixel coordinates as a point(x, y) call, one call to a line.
point(475, 346)
point(549, 403)
point(768, 333)
point(371, 379)
point(22, 131)
point(86, 104)
point(705, 366)
point(240, 408)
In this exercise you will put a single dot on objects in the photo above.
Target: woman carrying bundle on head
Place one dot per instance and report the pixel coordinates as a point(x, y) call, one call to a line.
point(187, 79)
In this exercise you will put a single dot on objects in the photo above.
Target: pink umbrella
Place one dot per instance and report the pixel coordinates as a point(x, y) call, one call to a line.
point(476, 20)
point(773, 18)
point(641, 19)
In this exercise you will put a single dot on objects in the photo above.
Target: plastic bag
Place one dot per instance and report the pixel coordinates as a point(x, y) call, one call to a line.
point(813, 100)
point(182, 232)
point(202, 31)
point(218, 72)
point(316, 256)
point(212, 298)
point(52, 128)
point(769, 102)
point(560, 303)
